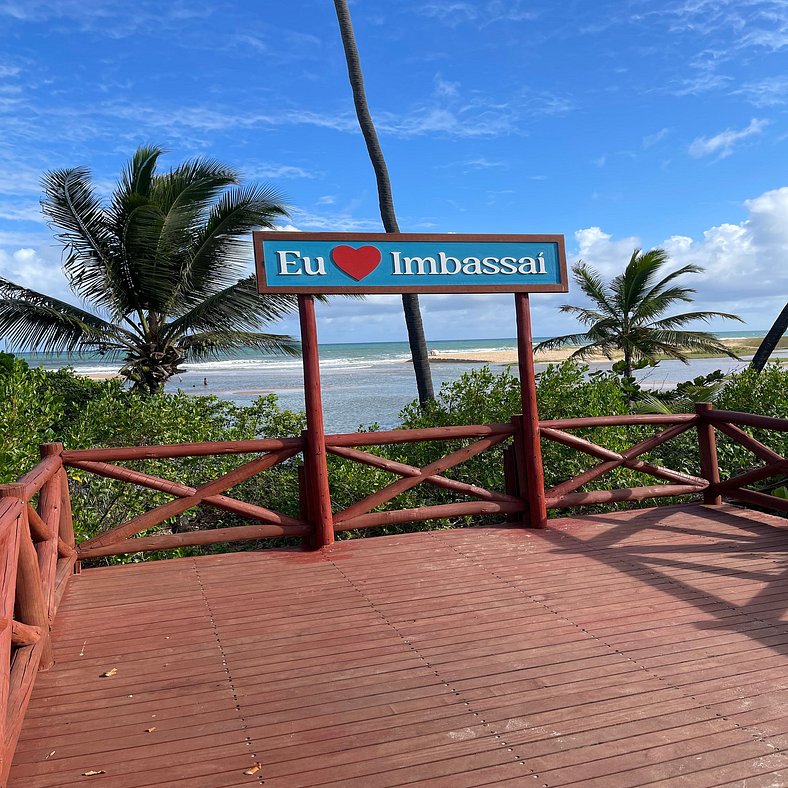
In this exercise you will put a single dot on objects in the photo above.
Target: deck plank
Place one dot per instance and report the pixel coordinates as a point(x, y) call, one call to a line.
point(647, 647)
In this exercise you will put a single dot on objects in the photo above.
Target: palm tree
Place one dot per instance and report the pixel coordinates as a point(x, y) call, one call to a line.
point(162, 265)
point(627, 315)
point(410, 301)
point(770, 341)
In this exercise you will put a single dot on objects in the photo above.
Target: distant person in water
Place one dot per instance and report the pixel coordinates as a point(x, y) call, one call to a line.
point(205, 381)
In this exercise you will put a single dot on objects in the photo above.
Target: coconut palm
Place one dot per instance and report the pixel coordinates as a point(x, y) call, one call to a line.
point(410, 301)
point(628, 315)
point(162, 266)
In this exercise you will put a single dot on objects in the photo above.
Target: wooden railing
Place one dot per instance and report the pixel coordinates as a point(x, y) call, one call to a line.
point(512, 501)
point(37, 556)
point(38, 553)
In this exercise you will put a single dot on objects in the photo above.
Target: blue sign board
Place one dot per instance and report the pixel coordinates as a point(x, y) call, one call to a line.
point(293, 262)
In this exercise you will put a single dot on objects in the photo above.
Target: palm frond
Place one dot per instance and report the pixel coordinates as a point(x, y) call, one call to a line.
point(650, 403)
point(221, 250)
point(637, 276)
point(92, 265)
point(698, 341)
point(30, 320)
point(676, 321)
point(137, 176)
point(236, 308)
point(601, 348)
point(653, 305)
point(585, 315)
point(590, 282)
point(210, 344)
point(555, 343)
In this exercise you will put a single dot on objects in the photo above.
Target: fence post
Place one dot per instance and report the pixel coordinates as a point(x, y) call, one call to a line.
point(307, 542)
point(31, 606)
point(50, 509)
point(707, 443)
point(315, 459)
point(529, 425)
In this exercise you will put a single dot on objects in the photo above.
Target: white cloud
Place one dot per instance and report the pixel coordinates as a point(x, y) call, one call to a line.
point(769, 92)
point(723, 143)
point(27, 267)
point(745, 270)
point(21, 211)
point(280, 171)
point(650, 140)
point(456, 12)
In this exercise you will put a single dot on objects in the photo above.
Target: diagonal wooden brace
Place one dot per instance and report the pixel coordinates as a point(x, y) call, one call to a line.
point(750, 477)
point(615, 460)
point(223, 502)
point(759, 449)
point(180, 505)
point(403, 469)
point(396, 488)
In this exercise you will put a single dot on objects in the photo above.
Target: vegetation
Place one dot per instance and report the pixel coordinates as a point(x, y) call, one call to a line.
point(628, 315)
point(410, 301)
point(40, 406)
point(162, 264)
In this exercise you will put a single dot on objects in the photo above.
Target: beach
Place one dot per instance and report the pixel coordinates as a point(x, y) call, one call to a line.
point(742, 346)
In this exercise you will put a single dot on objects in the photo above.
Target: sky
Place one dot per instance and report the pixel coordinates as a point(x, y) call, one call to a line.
point(621, 124)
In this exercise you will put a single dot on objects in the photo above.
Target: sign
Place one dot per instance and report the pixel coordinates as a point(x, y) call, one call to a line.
point(293, 262)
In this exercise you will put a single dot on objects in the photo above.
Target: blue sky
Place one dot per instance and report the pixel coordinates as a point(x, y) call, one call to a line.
point(618, 124)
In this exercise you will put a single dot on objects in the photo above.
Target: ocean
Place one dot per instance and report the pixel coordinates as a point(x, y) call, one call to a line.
point(363, 383)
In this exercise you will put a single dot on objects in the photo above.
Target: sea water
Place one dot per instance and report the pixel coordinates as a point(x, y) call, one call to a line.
point(363, 383)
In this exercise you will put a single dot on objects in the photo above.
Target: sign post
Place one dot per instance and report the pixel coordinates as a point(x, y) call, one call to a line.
point(342, 263)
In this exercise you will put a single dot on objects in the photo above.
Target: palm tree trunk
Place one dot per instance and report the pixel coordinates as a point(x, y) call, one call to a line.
point(769, 343)
point(410, 301)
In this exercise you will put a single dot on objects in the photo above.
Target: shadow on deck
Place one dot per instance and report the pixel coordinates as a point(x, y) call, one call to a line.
point(629, 649)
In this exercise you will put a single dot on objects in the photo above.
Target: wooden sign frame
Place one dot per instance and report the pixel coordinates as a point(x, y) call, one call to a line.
point(357, 239)
point(527, 438)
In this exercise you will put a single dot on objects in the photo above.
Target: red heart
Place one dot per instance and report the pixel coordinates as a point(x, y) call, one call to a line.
point(357, 263)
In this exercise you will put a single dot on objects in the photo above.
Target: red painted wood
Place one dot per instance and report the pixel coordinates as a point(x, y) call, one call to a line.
point(707, 444)
point(624, 494)
point(421, 434)
point(396, 488)
point(759, 499)
point(402, 469)
point(755, 446)
point(629, 648)
point(532, 448)
point(753, 476)
point(617, 421)
point(748, 420)
point(191, 538)
point(35, 479)
point(315, 460)
point(10, 522)
point(180, 505)
point(626, 458)
point(222, 502)
point(122, 453)
point(399, 516)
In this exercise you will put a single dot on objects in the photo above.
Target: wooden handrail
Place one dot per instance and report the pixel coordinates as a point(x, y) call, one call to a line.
point(213, 448)
point(747, 419)
point(36, 478)
point(390, 437)
point(619, 421)
point(222, 502)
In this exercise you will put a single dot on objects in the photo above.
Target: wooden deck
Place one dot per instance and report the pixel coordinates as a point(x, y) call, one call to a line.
point(642, 648)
